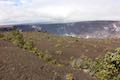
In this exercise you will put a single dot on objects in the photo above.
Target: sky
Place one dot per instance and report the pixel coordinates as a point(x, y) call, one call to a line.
point(29, 11)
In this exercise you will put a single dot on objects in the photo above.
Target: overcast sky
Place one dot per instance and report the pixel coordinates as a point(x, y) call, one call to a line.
point(19, 11)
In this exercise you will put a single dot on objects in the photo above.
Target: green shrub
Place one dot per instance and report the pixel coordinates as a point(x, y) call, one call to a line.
point(69, 76)
point(59, 52)
point(117, 77)
point(103, 68)
point(28, 45)
point(2, 36)
point(47, 57)
point(17, 38)
point(40, 55)
point(81, 63)
point(35, 50)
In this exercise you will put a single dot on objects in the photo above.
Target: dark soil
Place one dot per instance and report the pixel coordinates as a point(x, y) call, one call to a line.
point(71, 47)
point(18, 64)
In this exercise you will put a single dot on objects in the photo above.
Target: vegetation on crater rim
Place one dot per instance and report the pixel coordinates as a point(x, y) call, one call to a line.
point(106, 67)
point(103, 68)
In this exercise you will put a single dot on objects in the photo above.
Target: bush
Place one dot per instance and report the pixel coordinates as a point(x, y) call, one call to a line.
point(59, 52)
point(17, 38)
point(35, 50)
point(69, 76)
point(103, 68)
point(47, 57)
point(81, 63)
point(28, 45)
point(40, 55)
point(1, 36)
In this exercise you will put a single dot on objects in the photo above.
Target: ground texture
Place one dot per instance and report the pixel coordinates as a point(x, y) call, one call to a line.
point(18, 64)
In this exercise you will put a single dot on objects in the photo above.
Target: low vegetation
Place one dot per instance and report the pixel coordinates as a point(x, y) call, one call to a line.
point(2, 36)
point(69, 76)
point(16, 37)
point(103, 68)
point(106, 67)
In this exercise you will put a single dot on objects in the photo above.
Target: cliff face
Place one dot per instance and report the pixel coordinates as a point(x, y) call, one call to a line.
point(89, 29)
point(6, 28)
point(86, 29)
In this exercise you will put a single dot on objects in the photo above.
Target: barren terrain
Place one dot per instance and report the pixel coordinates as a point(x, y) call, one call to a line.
point(19, 64)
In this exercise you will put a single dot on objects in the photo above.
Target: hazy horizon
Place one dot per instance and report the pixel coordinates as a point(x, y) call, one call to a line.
point(53, 11)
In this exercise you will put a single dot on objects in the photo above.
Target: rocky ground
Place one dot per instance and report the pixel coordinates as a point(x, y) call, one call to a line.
point(18, 64)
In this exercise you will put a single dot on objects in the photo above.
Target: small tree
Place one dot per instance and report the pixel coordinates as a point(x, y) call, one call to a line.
point(17, 38)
